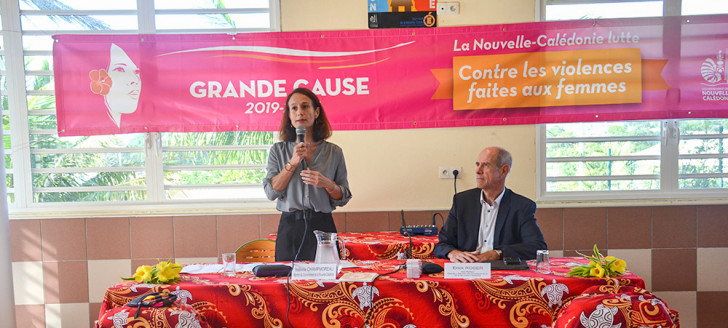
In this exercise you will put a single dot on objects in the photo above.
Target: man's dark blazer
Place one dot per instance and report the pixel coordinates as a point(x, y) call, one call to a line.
point(516, 231)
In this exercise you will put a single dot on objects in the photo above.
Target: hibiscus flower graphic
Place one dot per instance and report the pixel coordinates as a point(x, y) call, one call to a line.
point(100, 81)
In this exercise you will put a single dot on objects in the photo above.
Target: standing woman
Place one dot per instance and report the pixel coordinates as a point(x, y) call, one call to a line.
point(307, 178)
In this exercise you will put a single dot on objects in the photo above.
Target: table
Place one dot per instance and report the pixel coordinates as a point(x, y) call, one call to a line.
point(509, 299)
point(384, 245)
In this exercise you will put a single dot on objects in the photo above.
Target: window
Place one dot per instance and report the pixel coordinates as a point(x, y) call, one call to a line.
point(603, 156)
point(632, 159)
point(566, 9)
point(44, 170)
point(703, 162)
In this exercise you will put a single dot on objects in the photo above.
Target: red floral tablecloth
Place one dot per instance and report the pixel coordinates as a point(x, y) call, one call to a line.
point(508, 299)
point(616, 306)
point(383, 245)
point(177, 315)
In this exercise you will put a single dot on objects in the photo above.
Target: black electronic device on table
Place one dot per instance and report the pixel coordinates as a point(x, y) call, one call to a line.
point(509, 263)
point(429, 267)
point(272, 270)
point(418, 230)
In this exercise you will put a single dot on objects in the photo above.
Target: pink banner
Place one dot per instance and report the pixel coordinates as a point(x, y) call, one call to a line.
point(649, 68)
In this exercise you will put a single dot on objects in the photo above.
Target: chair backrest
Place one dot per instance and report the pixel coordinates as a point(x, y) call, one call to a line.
point(258, 250)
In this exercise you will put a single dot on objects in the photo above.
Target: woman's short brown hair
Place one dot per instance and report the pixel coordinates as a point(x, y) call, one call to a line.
point(321, 126)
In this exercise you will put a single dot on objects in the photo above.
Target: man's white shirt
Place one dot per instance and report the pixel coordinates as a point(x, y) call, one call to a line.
point(488, 215)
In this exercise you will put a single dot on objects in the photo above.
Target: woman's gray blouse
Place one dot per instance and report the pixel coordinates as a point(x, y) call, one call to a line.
point(327, 159)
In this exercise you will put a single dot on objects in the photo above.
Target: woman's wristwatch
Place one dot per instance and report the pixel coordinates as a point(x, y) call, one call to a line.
point(500, 253)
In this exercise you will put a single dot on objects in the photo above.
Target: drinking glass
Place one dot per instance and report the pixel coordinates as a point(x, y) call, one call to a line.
point(542, 261)
point(228, 264)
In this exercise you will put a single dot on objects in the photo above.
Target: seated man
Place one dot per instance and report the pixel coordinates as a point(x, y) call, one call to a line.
point(490, 222)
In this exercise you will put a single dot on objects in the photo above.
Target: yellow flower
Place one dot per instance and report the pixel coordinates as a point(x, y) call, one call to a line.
point(597, 271)
point(162, 272)
point(167, 271)
point(143, 273)
point(599, 266)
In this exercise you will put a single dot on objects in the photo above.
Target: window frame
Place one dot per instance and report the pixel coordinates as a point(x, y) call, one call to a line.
point(669, 151)
point(153, 167)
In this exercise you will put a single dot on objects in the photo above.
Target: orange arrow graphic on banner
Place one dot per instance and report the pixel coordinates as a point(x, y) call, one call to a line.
point(444, 76)
point(652, 74)
point(651, 78)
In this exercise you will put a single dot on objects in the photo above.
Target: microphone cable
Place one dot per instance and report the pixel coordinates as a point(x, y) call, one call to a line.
point(306, 214)
point(434, 216)
point(408, 232)
point(295, 258)
point(411, 255)
point(371, 294)
point(455, 180)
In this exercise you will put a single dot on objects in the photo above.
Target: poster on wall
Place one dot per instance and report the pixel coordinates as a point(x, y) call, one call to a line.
point(402, 13)
point(546, 72)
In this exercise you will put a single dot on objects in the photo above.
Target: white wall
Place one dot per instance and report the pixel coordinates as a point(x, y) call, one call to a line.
point(395, 169)
point(398, 169)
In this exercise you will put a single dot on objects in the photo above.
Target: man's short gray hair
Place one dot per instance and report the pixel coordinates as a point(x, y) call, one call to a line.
point(503, 158)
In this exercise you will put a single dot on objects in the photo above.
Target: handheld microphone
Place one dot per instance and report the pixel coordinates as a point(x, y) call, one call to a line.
point(301, 133)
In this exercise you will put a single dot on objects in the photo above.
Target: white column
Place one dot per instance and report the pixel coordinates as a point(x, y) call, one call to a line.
point(7, 296)
point(14, 77)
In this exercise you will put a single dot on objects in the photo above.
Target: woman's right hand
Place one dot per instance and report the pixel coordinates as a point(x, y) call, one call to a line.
point(299, 153)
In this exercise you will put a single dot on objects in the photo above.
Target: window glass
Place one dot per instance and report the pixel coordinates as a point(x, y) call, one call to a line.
point(703, 154)
point(234, 169)
point(38, 42)
point(228, 4)
point(52, 195)
point(135, 140)
point(39, 82)
point(67, 23)
point(603, 156)
point(114, 161)
point(78, 5)
point(628, 155)
point(568, 11)
point(42, 102)
point(117, 168)
point(213, 21)
point(704, 7)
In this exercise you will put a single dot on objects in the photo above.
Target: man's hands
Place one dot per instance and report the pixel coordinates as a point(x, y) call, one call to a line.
point(470, 257)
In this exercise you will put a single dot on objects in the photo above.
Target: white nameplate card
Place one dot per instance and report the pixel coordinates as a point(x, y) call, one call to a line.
point(467, 270)
point(313, 271)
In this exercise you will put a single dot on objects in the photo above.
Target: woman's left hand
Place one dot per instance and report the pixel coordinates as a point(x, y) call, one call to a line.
point(317, 179)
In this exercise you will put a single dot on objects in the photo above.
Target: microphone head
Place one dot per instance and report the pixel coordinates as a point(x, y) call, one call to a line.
point(300, 132)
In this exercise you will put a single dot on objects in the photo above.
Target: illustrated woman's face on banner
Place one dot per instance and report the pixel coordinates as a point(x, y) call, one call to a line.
point(123, 96)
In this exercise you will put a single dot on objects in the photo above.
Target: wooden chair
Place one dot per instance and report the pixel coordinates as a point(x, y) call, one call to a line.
point(258, 250)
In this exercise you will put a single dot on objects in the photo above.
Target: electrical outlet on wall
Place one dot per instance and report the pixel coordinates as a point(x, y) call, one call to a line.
point(447, 172)
point(448, 8)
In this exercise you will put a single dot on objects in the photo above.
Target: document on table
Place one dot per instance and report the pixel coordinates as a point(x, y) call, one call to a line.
point(207, 268)
point(214, 268)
